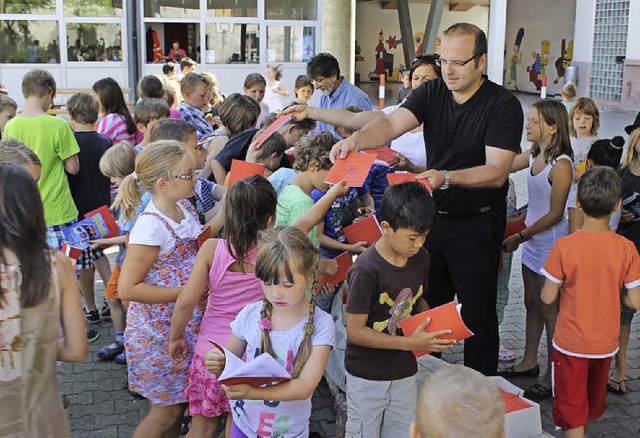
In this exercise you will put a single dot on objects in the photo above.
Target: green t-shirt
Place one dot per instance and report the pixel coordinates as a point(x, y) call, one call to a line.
point(52, 140)
point(293, 203)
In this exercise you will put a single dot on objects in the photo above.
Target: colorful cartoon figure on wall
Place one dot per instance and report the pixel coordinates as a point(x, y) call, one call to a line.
point(516, 59)
point(538, 68)
point(384, 59)
point(418, 39)
point(566, 55)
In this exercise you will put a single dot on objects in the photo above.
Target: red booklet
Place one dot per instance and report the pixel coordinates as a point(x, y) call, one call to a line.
point(397, 178)
point(353, 169)
point(345, 261)
point(204, 235)
point(386, 154)
point(367, 230)
point(278, 123)
point(445, 317)
point(243, 169)
point(71, 251)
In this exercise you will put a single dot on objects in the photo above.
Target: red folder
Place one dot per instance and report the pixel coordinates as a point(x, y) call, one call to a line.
point(445, 317)
point(367, 230)
point(397, 178)
point(353, 169)
point(109, 220)
point(243, 169)
point(204, 235)
point(278, 123)
point(345, 261)
point(386, 154)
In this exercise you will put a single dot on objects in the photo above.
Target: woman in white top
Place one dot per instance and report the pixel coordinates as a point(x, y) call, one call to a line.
point(549, 177)
point(274, 91)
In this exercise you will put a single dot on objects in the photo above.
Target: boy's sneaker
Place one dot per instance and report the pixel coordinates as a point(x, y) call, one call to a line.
point(92, 316)
point(105, 311)
point(92, 336)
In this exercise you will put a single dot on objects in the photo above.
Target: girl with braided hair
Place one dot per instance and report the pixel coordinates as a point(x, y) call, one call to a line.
point(287, 325)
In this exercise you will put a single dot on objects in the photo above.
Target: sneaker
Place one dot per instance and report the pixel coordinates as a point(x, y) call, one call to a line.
point(92, 336)
point(92, 316)
point(105, 311)
point(110, 351)
point(121, 358)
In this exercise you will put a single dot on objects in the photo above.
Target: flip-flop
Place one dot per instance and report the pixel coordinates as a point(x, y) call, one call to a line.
point(537, 392)
point(617, 390)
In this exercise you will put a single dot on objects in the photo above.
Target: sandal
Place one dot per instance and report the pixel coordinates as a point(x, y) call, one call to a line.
point(505, 355)
point(617, 386)
point(110, 351)
point(537, 392)
point(511, 372)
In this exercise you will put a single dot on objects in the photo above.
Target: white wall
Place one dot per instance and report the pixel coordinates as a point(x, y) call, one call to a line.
point(549, 20)
point(371, 18)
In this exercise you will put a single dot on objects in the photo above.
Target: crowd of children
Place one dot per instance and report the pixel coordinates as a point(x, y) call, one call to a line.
point(256, 283)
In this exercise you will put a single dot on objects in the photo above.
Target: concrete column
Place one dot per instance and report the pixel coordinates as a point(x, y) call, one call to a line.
point(432, 27)
point(495, 40)
point(339, 33)
point(631, 77)
point(583, 43)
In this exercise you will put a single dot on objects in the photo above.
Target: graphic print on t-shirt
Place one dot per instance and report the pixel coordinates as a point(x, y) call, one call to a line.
point(399, 309)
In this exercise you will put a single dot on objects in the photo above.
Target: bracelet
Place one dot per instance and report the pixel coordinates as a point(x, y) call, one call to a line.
point(524, 239)
point(447, 179)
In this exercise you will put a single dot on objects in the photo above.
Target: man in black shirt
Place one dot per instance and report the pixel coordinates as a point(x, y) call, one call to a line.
point(472, 130)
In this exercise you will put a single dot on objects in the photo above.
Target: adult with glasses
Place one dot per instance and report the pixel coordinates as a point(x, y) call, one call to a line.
point(472, 131)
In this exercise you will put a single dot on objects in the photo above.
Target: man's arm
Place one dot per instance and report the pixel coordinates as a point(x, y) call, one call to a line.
point(337, 117)
point(492, 174)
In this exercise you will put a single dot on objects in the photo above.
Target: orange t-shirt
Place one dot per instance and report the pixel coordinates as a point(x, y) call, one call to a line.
point(592, 268)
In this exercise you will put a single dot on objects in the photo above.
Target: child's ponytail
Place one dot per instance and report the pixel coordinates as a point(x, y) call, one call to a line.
point(128, 197)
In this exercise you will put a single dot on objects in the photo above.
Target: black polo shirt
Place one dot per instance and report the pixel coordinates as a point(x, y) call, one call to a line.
point(456, 135)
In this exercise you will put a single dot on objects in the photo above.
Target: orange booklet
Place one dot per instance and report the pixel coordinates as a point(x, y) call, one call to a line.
point(243, 169)
point(353, 169)
point(445, 317)
point(204, 235)
point(345, 261)
point(261, 370)
point(367, 230)
point(278, 123)
point(397, 178)
point(512, 402)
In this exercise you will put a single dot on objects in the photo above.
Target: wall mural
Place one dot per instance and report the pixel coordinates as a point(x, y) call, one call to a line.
point(384, 59)
point(566, 55)
point(516, 60)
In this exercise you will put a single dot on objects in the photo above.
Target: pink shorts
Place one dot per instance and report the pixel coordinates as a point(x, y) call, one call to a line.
point(203, 392)
point(579, 389)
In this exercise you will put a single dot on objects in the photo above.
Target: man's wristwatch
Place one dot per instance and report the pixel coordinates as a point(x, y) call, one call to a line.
point(447, 179)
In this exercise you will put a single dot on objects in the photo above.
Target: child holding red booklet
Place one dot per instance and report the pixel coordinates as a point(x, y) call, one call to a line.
point(385, 285)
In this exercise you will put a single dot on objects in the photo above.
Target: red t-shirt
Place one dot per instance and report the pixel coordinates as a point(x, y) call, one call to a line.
point(592, 268)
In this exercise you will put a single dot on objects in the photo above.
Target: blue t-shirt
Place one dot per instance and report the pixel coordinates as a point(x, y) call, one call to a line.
point(343, 212)
point(281, 178)
point(377, 182)
point(346, 94)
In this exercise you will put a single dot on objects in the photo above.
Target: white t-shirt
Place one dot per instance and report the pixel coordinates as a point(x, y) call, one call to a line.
point(409, 144)
point(271, 418)
point(614, 220)
point(151, 231)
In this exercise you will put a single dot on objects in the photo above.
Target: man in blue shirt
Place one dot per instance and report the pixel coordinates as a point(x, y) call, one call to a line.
point(337, 92)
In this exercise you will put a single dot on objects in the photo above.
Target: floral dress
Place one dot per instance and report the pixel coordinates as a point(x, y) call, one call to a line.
point(152, 373)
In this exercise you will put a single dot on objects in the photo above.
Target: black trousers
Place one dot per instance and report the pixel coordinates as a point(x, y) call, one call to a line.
point(465, 255)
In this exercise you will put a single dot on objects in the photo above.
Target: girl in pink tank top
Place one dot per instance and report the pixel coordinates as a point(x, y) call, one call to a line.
point(225, 269)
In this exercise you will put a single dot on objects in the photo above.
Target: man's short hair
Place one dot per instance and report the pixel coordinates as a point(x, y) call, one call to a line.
point(171, 129)
point(461, 29)
point(457, 401)
point(148, 110)
point(599, 190)
point(408, 205)
point(190, 82)
point(38, 83)
point(323, 64)
point(83, 108)
point(186, 63)
point(168, 68)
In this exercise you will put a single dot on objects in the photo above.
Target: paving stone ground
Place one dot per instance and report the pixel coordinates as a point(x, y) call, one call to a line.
point(99, 404)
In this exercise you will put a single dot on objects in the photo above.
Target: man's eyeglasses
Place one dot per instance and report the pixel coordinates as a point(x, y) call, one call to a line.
point(456, 64)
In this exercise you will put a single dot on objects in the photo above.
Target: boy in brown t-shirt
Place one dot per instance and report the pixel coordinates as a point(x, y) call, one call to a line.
point(385, 285)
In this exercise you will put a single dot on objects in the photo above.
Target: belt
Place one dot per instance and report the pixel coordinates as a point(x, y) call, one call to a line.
point(464, 213)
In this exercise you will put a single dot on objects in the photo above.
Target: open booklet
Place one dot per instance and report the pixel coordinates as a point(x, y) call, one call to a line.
point(261, 370)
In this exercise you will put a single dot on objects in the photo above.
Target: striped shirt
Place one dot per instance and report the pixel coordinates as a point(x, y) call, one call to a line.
point(196, 118)
point(114, 126)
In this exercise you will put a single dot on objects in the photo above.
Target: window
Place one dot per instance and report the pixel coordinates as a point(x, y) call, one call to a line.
point(94, 42)
point(29, 41)
point(232, 8)
point(93, 8)
point(171, 8)
point(290, 43)
point(232, 43)
point(291, 9)
point(28, 7)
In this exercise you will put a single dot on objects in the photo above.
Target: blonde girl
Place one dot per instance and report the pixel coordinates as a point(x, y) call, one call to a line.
point(584, 124)
point(160, 256)
point(288, 327)
point(549, 177)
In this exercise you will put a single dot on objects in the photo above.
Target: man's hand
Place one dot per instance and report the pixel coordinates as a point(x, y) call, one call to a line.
point(342, 148)
point(435, 178)
point(297, 112)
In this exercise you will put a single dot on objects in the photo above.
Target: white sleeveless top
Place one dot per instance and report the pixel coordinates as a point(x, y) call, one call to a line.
point(536, 249)
point(271, 98)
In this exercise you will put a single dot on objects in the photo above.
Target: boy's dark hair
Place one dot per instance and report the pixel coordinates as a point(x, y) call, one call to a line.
point(151, 86)
point(38, 83)
point(408, 205)
point(186, 63)
point(83, 108)
point(304, 124)
point(168, 68)
point(599, 190)
point(168, 96)
point(254, 79)
point(314, 147)
point(191, 81)
point(112, 100)
point(171, 129)
point(148, 110)
point(274, 144)
point(6, 101)
point(238, 113)
point(323, 64)
point(303, 81)
point(606, 152)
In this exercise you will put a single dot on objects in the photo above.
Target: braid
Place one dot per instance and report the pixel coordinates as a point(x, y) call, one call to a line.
point(304, 351)
point(265, 339)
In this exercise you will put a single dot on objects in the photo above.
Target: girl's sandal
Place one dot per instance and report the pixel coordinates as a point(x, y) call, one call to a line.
point(617, 386)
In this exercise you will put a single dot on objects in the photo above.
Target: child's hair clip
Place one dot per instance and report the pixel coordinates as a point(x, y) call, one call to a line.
point(309, 328)
point(265, 324)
